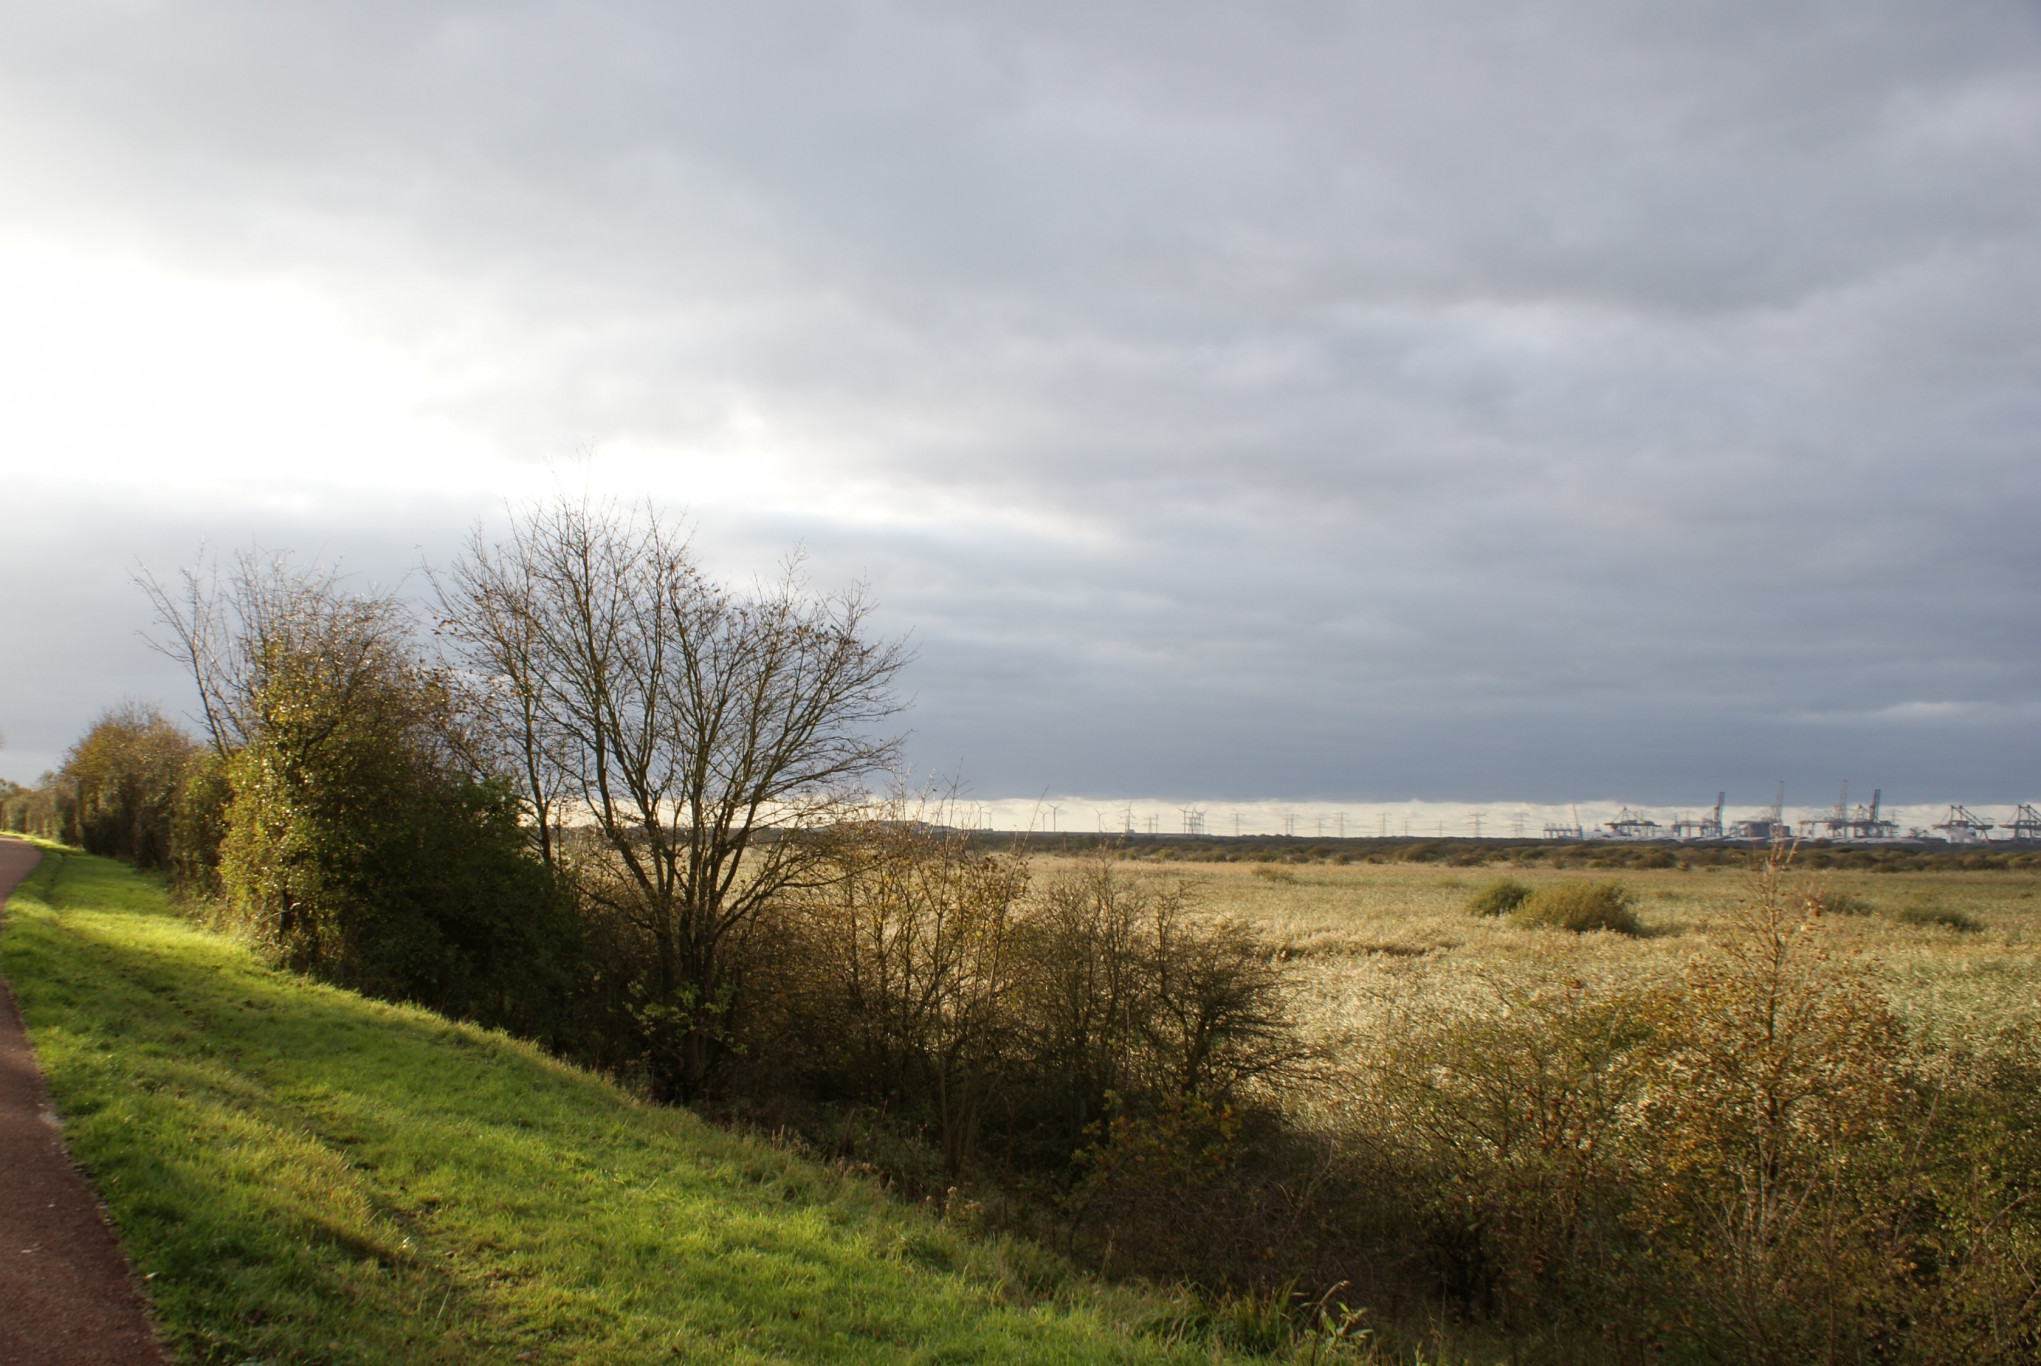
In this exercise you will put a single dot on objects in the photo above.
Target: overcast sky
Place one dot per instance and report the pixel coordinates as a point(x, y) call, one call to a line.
point(1273, 401)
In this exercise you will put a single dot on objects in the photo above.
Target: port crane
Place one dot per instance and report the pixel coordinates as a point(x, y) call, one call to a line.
point(1708, 827)
point(1766, 825)
point(1961, 826)
point(1632, 825)
point(1842, 823)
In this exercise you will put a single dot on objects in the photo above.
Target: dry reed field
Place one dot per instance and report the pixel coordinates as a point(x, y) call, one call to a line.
point(1370, 941)
point(1784, 1114)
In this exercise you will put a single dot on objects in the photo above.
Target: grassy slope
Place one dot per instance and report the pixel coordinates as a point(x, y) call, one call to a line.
point(305, 1175)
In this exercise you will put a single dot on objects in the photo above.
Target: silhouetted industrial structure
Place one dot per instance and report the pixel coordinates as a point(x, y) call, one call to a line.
point(1866, 822)
point(1961, 827)
point(1766, 825)
point(1844, 824)
point(1708, 827)
point(1632, 825)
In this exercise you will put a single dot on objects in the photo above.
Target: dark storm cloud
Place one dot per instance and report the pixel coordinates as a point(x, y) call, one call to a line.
point(1328, 399)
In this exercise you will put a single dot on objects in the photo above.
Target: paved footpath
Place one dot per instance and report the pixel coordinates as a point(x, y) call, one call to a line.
point(67, 1297)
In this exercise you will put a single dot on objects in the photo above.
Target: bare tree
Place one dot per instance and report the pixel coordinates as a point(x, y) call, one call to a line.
point(270, 615)
point(488, 611)
point(691, 729)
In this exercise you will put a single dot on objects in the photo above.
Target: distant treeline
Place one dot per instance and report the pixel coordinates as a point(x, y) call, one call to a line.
point(1894, 857)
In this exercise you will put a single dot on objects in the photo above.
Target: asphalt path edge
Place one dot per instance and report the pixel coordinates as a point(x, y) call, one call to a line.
point(67, 1294)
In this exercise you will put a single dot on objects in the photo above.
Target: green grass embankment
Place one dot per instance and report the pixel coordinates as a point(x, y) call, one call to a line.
point(307, 1176)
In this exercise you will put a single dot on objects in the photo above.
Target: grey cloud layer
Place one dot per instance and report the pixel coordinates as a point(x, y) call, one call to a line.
point(1332, 398)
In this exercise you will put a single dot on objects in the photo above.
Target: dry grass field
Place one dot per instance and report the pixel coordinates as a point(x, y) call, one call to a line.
point(1738, 1130)
point(1373, 940)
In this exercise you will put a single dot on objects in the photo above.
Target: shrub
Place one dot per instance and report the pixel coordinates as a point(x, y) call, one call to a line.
point(125, 775)
point(1928, 913)
point(339, 818)
point(893, 980)
point(1747, 1159)
point(1839, 903)
point(1500, 897)
point(198, 826)
point(46, 810)
point(1784, 1073)
point(1504, 1122)
point(931, 979)
point(352, 851)
point(1579, 906)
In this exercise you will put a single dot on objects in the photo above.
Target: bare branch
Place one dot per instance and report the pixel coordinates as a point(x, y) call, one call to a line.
point(695, 731)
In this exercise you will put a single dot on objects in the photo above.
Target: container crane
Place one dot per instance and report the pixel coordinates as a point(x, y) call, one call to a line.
point(1963, 827)
point(1766, 825)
